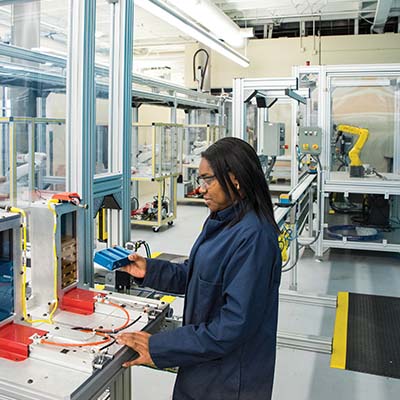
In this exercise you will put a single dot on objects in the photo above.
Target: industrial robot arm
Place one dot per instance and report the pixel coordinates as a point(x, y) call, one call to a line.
point(356, 166)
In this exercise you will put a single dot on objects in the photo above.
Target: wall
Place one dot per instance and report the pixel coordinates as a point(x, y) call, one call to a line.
point(276, 57)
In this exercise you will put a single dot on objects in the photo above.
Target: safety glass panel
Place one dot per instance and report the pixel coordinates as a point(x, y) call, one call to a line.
point(33, 62)
point(103, 145)
point(155, 153)
point(363, 126)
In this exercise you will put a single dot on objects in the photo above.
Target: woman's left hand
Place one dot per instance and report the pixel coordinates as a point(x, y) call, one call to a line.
point(138, 341)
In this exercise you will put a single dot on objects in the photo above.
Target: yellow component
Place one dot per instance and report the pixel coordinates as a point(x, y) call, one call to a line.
point(339, 347)
point(156, 254)
point(283, 241)
point(51, 206)
point(306, 146)
point(354, 153)
point(98, 286)
point(284, 196)
point(102, 233)
point(168, 299)
point(315, 146)
point(331, 212)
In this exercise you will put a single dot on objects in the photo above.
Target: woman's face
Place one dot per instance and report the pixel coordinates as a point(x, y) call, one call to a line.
point(210, 188)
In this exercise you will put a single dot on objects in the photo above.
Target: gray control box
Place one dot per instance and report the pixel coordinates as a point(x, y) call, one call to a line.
point(273, 140)
point(310, 139)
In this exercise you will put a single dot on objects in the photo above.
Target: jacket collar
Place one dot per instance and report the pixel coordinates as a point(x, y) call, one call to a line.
point(227, 214)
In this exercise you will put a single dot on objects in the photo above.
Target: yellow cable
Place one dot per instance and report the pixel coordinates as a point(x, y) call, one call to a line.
point(55, 283)
point(24, 245)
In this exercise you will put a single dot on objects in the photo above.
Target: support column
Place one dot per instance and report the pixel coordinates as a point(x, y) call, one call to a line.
point(135, 148)
point(81, 120)
point(121, 112)
point(238, 109)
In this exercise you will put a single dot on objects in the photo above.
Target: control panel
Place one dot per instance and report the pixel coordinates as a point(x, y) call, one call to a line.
point(273, 139)
point(310, 138)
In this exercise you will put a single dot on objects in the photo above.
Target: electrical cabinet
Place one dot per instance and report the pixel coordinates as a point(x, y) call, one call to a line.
point(273, 140)
point(310, 139)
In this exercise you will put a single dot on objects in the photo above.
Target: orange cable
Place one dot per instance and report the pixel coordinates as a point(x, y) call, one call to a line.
point(124, 325)
point(44, 341)
point(99, 332)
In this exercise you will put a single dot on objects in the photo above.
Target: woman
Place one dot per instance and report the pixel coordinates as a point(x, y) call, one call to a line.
point(226, 346)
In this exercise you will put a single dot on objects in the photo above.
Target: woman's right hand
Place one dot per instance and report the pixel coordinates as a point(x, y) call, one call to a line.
point(137, 267)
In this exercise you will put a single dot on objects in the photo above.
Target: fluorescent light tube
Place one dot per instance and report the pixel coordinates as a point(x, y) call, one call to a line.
point(181, 22)
point(214, 19)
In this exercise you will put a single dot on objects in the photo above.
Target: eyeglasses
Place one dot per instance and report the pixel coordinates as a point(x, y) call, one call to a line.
point(205, 181)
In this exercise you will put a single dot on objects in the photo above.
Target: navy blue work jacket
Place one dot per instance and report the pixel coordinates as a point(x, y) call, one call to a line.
point(226, 346)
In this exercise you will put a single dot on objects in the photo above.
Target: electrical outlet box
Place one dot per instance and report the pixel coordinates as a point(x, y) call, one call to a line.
point(310, 139)
point(273, 143)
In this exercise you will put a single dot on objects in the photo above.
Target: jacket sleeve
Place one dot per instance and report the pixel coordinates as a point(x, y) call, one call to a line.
point(246, 289)
point(165, 276)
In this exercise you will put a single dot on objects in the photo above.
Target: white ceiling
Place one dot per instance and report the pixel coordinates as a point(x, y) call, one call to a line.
point(262, 11)
point(159, 46)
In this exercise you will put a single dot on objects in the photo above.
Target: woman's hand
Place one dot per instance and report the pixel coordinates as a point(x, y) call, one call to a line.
point(138, 341)
point(137, 268)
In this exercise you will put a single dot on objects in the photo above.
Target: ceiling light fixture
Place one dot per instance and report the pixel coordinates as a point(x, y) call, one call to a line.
point(181, 22)
point(206, 13)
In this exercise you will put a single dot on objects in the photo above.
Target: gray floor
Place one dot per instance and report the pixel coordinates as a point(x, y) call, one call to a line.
point(300, 375)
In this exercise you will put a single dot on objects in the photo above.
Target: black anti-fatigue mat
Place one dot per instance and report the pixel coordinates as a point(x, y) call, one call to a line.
point(373, 335)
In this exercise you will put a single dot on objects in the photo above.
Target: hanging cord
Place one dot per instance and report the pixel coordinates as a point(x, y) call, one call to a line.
point(135, 246)
point(299, 248)
point(270, 167)
point(143, 243)
point(285, 240)
point(203, 71)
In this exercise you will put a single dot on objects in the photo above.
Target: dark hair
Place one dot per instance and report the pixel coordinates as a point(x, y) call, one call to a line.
point(233, 155)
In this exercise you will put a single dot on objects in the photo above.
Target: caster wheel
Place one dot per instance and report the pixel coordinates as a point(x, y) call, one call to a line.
point(170, 223)
point(156, 228)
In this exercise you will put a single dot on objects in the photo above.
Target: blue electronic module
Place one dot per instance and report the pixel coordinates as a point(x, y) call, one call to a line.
point(112, 258)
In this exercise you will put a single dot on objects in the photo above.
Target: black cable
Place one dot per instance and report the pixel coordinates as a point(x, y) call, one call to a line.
point(269, 168)
point(134, 203)
point(108, 344)
point(202, 71)
point(319, 194)
point(99, 330)
point(343, 210)
point(130, 324)
point(139, 243)
point(299, 248)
